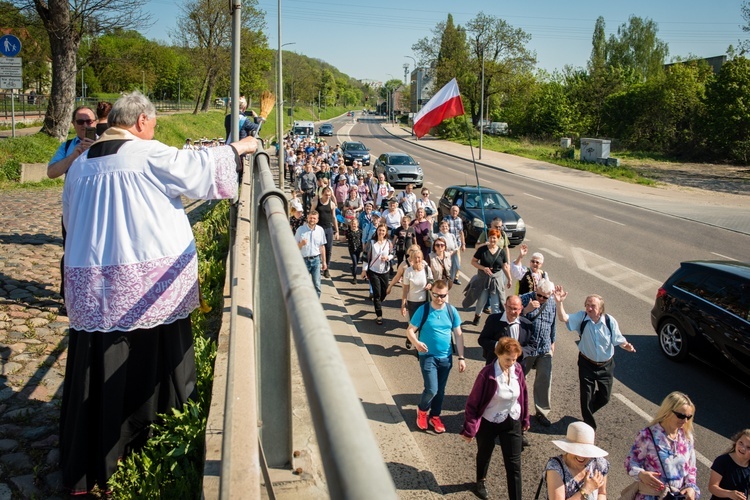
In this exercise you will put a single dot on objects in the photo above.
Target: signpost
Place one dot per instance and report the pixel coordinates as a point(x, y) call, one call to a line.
point(11, 72)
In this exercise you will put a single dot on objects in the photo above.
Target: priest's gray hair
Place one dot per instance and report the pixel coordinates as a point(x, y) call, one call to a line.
point(126, 110)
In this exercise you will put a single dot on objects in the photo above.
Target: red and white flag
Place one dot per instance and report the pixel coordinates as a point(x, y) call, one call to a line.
point(443, 105)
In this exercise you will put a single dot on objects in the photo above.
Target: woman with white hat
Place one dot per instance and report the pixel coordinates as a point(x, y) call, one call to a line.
point(580, 472)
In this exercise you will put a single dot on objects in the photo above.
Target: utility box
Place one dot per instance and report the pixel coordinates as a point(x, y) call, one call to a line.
point(566, 142)
point(594, 149)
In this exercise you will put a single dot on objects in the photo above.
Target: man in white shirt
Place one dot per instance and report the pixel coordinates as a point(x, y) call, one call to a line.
point(407, 200)
point(311, 240)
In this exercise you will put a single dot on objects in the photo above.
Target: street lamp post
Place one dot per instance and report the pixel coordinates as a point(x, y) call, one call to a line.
point(280, 104)
point(481, 111)
point(392, 95)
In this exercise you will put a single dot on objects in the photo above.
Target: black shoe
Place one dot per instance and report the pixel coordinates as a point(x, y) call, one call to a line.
point(524, 440)
point(481, 490)
point(543, 420)
point(408, 344)
point(475, 321)
point(456, 282)
point(326, 273)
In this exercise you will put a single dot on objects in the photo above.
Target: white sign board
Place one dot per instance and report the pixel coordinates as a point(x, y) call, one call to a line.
point(10, 62)
point(11, 82)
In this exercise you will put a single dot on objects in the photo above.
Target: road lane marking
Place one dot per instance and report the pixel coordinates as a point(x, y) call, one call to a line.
point(609, 220)
point(438, 186)
point(552, 236)
point(617, 275)
point(547, 251)
point(532, 196)
point(698, 455)
point(723, 256)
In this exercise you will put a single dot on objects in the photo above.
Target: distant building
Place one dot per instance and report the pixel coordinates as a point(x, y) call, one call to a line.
point(715, 62)
point(421, 88)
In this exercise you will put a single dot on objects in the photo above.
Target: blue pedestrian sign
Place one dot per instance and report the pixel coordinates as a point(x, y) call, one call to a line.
point(10, 45)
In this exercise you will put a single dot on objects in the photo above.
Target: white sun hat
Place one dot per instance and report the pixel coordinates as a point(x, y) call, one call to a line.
point(580, 441)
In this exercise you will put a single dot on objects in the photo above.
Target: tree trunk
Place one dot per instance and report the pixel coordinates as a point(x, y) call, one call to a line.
point(56, 19)
point(209, 90)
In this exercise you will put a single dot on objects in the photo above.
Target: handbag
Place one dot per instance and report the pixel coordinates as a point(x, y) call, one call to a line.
point(630, 491)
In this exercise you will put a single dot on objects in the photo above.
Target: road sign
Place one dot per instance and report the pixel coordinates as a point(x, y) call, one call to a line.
point(11, 82)
point(10, 72)
point(10, 45)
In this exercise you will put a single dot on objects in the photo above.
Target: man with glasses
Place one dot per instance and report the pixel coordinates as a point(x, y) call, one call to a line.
point(434, 322)
point(540, 347)
point(599, 334)
point(71, 149)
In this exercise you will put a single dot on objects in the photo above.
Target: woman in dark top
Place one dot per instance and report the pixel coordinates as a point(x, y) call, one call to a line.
point(492, 261)
point(326, 207)
point(354, 242)
point(422, 231)
point(730, 472)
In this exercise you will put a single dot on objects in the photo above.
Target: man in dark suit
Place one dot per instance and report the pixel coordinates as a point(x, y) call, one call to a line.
point(509, 323)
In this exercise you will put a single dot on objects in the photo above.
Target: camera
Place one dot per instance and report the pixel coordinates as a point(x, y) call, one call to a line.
point(91, 133)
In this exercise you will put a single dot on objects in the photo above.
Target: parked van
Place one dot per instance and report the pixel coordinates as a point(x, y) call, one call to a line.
point(304, 129)
point(497, 128)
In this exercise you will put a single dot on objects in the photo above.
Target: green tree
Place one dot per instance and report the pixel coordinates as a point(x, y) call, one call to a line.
point(453, 56)
point(728, 110)
point(549, 113)
point(27, 26)
point(598, 59)
point(636, 46)
point(744, 45)
point(503, 50)
point(66, 23)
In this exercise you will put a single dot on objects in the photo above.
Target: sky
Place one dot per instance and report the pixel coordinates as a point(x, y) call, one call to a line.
point(372, 39)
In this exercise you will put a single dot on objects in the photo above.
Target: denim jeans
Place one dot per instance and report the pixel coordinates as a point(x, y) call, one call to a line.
point(482, 301)
point(435, 374)
point(313, 267)
point(455, 265)
point(356, 256)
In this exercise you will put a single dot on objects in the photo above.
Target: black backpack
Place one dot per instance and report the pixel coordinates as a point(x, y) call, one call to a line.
point(586, 320)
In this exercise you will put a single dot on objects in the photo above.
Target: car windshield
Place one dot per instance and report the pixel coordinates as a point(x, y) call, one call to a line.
point(401, 160)
point(303, 131)
point(326, 126)
point(491, 200)
point(355, 146)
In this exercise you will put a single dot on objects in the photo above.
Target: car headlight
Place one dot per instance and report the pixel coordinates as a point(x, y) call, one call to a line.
point(520, 224)
point(347, 155)
point(478, 223)
point(366, 157)
point(391, 170)
point(419, 170)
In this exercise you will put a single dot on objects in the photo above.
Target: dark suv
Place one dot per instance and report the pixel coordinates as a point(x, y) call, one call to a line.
point(470, 211)
point(703, 309)
point(355, 150)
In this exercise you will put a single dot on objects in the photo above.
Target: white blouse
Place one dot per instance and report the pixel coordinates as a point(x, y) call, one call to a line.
point(130, 257)
point(504, 402)
point(417, 280)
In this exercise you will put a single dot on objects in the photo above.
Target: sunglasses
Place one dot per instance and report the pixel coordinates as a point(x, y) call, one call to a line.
point(542, 297)
point(440, 295)
point(84, 122)
point(439, 245)
point(682, 416)
point(534, 261)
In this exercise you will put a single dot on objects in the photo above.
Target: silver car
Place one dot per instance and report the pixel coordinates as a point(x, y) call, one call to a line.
point(399, 169)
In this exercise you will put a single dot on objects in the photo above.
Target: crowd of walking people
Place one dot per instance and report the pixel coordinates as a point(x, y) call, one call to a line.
point(398, 239)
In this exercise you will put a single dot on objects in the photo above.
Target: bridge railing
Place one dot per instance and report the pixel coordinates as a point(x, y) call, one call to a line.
point(270, 295)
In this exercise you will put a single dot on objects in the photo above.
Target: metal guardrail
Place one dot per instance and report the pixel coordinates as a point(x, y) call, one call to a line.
point(271, 291)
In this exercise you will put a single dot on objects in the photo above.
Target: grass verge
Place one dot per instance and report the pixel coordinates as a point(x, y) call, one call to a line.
point(551, 153)
point(171, 463)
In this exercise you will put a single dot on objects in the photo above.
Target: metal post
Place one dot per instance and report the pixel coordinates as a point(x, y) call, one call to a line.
point(12, 113)
point(280, 104)
point(481, 111)
point(179, 94)
point(236, 6)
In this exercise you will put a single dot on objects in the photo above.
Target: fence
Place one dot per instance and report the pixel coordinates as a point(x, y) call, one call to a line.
point(271, 292)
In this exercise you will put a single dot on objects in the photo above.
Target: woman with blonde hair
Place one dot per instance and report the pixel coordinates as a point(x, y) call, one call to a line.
point(440, 260)
point(730, 472)
point(663, 455)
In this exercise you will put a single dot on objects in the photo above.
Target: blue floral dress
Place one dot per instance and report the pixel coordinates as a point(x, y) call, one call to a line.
point(571, 485)
point(678, 457)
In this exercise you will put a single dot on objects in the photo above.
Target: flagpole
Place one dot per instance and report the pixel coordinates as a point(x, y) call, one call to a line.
point(476, 174)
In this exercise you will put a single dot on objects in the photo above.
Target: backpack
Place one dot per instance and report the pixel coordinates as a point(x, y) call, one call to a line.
point(425, 313)
point(586, 320)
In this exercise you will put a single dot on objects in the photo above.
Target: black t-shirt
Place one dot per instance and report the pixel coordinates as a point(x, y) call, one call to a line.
point(494, 261)
point(733, 477)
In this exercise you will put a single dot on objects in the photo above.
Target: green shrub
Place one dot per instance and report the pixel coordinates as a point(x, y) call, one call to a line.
point(171, 463)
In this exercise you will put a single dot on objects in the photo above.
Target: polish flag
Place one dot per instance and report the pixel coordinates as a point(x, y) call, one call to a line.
point(443, 105)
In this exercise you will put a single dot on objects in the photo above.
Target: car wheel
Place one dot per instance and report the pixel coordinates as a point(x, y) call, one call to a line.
point(673, 340)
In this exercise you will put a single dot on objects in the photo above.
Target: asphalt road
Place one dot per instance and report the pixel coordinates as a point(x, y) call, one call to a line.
point(591, 245)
